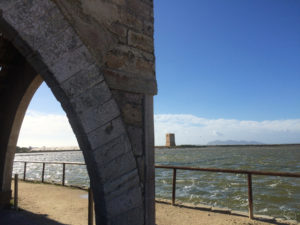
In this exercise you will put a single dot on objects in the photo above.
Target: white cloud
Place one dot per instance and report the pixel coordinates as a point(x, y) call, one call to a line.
point(41, 129)
point(190, 129)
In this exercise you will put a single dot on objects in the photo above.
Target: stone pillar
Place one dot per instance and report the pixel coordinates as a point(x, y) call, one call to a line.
point(170, 140)
point(98, 59)
point(5, 197)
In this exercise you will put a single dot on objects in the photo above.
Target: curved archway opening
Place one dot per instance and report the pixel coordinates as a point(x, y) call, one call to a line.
point(77, 82)
point(46, 136)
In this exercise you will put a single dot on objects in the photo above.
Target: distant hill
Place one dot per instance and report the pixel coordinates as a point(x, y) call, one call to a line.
point(232, 142)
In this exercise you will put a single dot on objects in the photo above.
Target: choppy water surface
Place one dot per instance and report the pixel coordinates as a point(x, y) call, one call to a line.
point(275, 196)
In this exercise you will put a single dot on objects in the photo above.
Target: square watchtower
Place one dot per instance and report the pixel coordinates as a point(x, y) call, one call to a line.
point(170, 140)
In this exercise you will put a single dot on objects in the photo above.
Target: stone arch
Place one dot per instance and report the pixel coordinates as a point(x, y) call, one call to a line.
point(53, 49)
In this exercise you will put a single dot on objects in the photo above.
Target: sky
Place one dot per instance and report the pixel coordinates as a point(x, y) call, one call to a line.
point(226, 70)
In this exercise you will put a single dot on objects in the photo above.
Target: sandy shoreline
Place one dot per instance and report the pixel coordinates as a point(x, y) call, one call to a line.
point(57, 205)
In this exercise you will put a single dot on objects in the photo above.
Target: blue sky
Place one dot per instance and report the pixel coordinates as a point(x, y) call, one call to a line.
point(226, 69)
point(228, 59)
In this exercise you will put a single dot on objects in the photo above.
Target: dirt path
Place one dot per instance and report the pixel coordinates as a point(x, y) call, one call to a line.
point(45, 204)
point(170, 215)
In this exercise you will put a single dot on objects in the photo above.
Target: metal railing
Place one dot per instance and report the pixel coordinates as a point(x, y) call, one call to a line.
point(90, 193)
point(44, 165)
point(249, 174)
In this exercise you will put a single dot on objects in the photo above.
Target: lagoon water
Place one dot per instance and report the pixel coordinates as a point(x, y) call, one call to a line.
point(274, 196)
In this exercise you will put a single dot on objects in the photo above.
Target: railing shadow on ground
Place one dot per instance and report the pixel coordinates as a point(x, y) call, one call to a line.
point(238, 214)
point(23, 217)
point(16, 208)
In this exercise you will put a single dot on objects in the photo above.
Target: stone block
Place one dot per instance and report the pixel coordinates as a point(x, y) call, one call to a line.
point(37, 63)
point(240, 213)
point(148, 28)
point(145, 67)
point(87, 80)
point(120, 30)
point(125, 60)
point(99, 115)
point(125, 202)
point(71, 63)
point(117, 167)
point(150, 2)
point(7, 4)
point(122, 184)
point(221, 210)
point(203, 207)
point(55, 44)
point(106, 133)
point(112, 150)
point(140, 8)
point(95, 95)
point(133, 217)
point(123, 81)
point(141, 168)
point(138, 53)
point(140, 41)
point(26, 9)
point(132, 114)
point(118, 59)
point(136, 136)
point(30, 18)
point(127, 97)
point(264, 217)
point(163, 201)
point(145, 55)
point(118, 2)
point(104, 12)
point(131, 106)
point(130, 20)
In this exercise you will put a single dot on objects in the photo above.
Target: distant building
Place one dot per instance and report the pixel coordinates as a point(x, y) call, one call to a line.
point(170, 140)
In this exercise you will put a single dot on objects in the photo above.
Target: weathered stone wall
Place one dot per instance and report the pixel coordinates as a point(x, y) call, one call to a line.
point(119, 33)
point(98, 59)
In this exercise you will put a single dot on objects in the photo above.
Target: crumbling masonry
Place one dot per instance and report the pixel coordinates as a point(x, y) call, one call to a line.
point(98, 59)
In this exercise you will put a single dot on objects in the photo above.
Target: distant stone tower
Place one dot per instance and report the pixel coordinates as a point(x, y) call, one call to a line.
point(170, 140)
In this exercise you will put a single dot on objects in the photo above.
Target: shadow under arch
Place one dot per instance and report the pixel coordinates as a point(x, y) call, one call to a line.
point(78, 84)
point(24, 217)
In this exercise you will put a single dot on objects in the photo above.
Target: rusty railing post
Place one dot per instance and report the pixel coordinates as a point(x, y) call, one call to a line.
point(63, 175)
point(250, 197)
point(43, 172)
point(24, 174)
point(90, 207)
point(16, 192)
point(174, 187)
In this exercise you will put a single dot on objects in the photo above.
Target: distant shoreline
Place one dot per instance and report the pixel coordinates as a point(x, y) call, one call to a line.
point(49, 151)
point(177, 147)
point(224, 146)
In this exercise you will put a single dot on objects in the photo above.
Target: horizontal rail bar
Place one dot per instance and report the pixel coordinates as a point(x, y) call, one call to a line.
point(264, 173)
point(51, 162)
point(174, 168)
